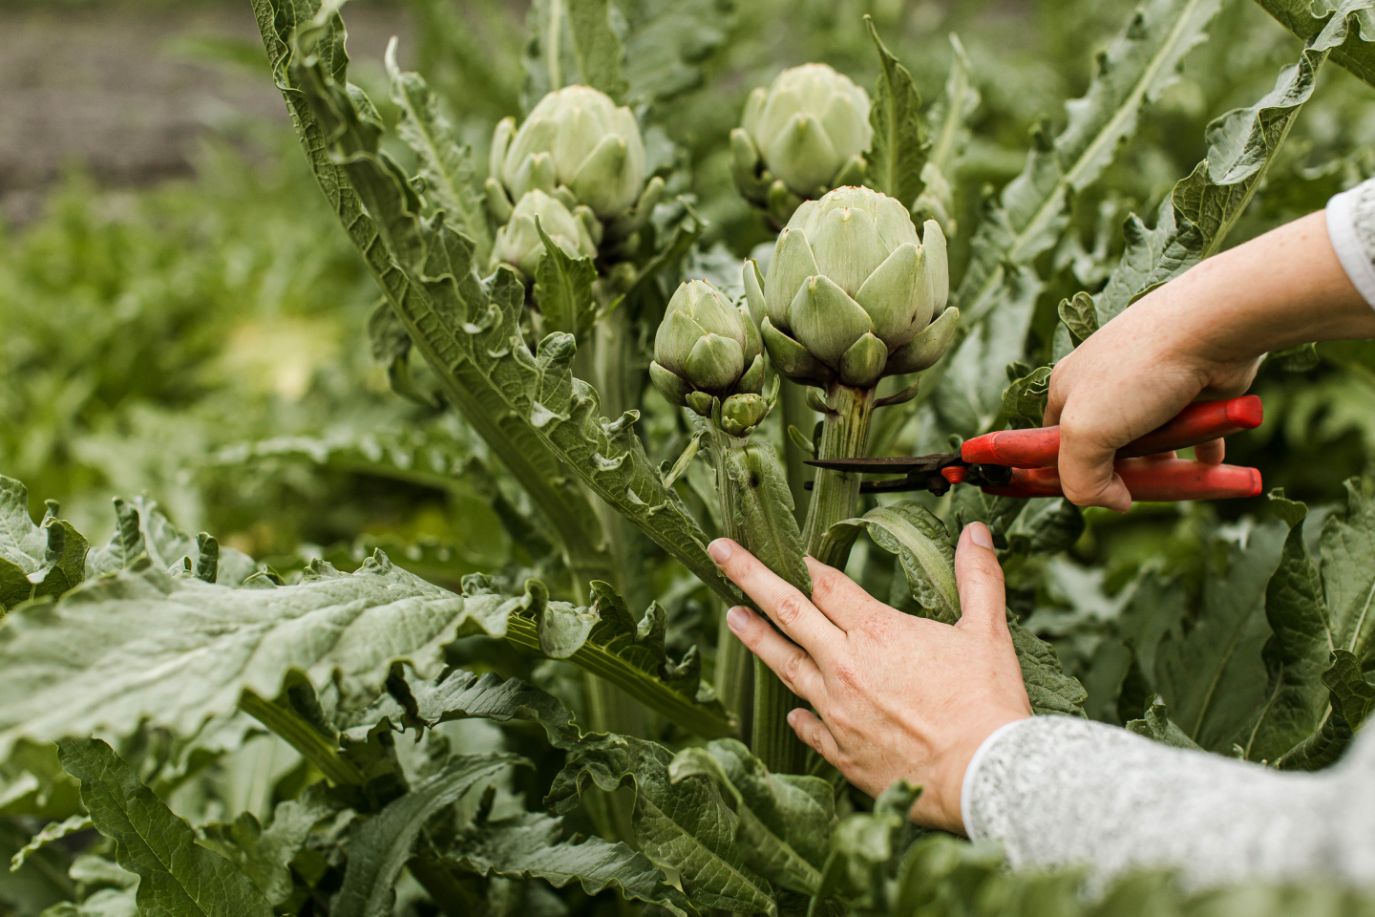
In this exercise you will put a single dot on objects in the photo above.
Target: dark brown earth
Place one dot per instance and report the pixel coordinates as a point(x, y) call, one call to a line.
point(112, 88)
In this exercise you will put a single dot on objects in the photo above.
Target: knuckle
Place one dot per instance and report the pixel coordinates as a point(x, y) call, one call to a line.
point(788, 610)
point(847, 676)
point(792, 669)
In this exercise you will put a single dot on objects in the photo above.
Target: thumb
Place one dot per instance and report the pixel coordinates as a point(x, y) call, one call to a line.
point(1086, 471)
point(979, 579)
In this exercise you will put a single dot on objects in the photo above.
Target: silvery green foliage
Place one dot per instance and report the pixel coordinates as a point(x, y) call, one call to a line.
point(803, 135)
point(707, 352)
point(853, 294)
point(518, 243)
point(577, 141)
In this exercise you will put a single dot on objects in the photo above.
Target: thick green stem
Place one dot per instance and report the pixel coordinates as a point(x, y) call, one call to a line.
point(317, 748)
point(792, 397)
point(734, 675)
point(844, 434)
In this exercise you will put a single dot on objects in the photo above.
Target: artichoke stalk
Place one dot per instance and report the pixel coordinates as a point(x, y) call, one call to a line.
point(852, 295)
point(805, 134)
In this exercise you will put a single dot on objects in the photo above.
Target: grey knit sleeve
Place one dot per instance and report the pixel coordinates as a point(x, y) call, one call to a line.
point(1351, 226)
point(1058, 791)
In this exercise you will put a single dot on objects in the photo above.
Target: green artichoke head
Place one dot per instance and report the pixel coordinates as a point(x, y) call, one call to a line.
point(852, 291)
point(707, 349)
point(575, 142)
point(808, 131)
point(518, 243)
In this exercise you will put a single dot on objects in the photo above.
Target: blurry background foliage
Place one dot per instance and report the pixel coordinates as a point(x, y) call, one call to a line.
point(150, 331)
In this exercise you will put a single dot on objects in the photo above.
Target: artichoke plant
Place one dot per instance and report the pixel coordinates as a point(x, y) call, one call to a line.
point(706, 351)
point(805, 134)
point(575, 143)
point(518, 243)
point(852, 292)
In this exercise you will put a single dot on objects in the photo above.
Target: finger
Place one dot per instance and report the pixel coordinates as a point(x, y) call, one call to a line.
point(1055, 395)
point(838, 597)
point(789, 662)
point(790, 610)
point(812, 731)
point(1212, 452)
point(979, 579)
point(1086, 470)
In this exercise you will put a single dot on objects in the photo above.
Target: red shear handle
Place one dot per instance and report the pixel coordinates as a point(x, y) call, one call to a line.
point(1148, 479)
point(1198, 423)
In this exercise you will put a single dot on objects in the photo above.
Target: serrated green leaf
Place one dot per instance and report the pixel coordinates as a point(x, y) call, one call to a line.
point(143, 644)
point(1308, 19)
point(35, 560)
point(451, 182)
point(177, 876)
point(1079, 315)
point(1211, 676)
point(1033, 211)
point(1156, 724)
point(50, 833)
point(862, 849)
point(685, 826)
point(900, 146)
point(1024, 400)
point(764, 510)
point(785, 820)
point(563, 289)
point(378, 849)
point(542, 422)
point(668, 44)
point(533, 845)
point(1197, 215)
point(596, 46)
point(462, 695)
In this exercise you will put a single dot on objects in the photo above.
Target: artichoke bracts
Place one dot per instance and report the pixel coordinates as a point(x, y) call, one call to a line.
point(707, 351)
point(852, 293)
point(805, 134)
point(575, 144)
point(518, 243)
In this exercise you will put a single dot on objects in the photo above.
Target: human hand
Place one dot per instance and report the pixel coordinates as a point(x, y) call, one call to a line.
point(895, 696)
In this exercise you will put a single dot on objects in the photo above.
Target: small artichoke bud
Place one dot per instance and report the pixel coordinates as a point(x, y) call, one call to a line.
point(805, 134)
point(575, 140)
point(708, 349)
point(851, 287)
point(518, 243)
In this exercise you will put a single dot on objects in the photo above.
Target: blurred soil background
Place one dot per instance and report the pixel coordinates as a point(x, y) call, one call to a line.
point(125, 92)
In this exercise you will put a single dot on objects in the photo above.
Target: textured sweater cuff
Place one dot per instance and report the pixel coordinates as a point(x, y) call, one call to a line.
point(1351, 226)
point(969, 787)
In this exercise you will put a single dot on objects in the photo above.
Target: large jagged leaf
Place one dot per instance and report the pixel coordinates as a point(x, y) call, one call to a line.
point(1346, 547)
point(35, 560)
point(541, 421)
point(1033, 210)
point(143, 644)
point(686, 826)
point(668, 44)
point(900, 146)
point(862, 850)
point(563, 289)
point(785, 820)
point(534, 845)
point(460, 694)
point(451, 182)
point(1307, 19)
point(596, 46)
point(177, 876)
point(142, 531)
point(763, 506)
point(1212, 676)
point(379, 847)
point(967, 394)
point(1195, 218)
point(926, 554)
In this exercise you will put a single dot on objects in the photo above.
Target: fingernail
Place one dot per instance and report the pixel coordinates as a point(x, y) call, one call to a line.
point(719, 550)
point(980, 535)
point(736, 618)
point(792, 717)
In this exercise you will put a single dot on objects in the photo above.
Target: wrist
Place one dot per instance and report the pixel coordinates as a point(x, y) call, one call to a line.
point(960, 761)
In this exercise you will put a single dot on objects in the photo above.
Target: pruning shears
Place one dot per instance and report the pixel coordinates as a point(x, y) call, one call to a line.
point(1022, 463)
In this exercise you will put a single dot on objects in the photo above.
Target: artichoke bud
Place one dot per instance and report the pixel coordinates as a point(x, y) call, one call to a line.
point(518, 243)
point(850, 288)
point(809, 130)
point(706, 349)
point(577, 142)
point(742, 413)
